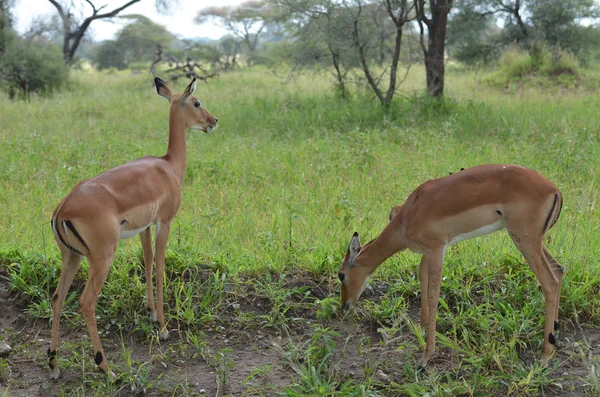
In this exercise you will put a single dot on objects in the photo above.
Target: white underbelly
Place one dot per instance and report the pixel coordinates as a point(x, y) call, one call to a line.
point(131, 232)
point(487, 229)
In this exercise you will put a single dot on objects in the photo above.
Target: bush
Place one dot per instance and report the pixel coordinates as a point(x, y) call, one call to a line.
point(28, 67)
point(539, 65)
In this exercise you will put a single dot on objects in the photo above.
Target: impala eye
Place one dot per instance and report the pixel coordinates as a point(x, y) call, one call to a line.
point(197, 104)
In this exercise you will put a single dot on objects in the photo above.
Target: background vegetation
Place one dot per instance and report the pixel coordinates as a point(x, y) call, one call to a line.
point(316, 139)
point(276, 192)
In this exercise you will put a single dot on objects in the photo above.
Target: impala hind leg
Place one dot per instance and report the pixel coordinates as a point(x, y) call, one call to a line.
point(162, 235)
point(423, 280)
point(69, 267)
point(532, 250)
point(435, 264)
point(558, 273)
point(98, 271)
point(146, 239)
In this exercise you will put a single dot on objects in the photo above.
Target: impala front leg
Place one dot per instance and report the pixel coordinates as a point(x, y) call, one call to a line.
point(435, 263)
point(162, 235)
point(146, 239)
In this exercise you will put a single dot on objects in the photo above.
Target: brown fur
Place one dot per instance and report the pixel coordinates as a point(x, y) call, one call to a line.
point(130, 197)
point(449, 208)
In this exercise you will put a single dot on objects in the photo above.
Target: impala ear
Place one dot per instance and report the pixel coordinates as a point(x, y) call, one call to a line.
point(354, 247)
point(189, 90)
point(163, 89)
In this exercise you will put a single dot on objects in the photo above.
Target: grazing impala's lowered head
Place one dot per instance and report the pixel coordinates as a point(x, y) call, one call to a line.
point(194, 115)
point(352, 276)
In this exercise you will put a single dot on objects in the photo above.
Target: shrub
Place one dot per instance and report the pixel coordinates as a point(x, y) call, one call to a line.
point(29, 67)
point(539, 65)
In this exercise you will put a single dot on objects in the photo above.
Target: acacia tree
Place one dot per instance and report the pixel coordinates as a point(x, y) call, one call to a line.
point(433, 51)
point(246, 21)
point(75, 24)
point(527, 22)
point(400, 13)
point(359, 39)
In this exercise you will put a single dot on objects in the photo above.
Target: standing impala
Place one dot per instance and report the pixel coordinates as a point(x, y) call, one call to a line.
point(458, 207)
point(121, 203)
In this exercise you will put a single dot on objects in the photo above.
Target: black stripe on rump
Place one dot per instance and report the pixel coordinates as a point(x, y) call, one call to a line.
point(550, 214)
point(62, 240)
point(559, 211)
point(72, 228)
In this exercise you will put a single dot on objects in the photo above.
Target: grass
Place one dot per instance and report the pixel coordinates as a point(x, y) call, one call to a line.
point(270, 201)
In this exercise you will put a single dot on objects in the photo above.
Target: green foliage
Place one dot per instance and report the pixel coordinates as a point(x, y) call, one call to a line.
point(30, 67)
point(134, 43)
point(5, 25)
point(539, 66)
point(474, 37)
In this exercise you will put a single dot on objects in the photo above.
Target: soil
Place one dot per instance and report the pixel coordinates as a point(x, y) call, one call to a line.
point(258, 359)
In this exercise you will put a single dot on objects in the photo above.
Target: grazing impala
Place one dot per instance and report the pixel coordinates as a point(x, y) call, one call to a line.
point(461, 206)
point(121, 203)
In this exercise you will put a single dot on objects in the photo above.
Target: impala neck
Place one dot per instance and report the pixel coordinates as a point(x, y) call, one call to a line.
point(373, 254)
point(176, 151)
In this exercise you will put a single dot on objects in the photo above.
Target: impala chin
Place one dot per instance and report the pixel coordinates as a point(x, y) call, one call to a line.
point(206, 129)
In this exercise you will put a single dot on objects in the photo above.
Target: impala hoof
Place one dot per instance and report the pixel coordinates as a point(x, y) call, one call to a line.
point(54, 374)
point(164, 335)
point(423, 362)
point(151, 313)
point(112, 377)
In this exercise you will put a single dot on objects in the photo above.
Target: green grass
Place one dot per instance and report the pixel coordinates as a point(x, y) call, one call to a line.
point(276, 193)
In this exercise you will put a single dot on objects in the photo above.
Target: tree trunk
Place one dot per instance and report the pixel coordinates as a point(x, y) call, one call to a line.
point(434, 62)
point(434, 53)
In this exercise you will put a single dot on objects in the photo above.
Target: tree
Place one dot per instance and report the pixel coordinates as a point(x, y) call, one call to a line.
point(527, 23)
point(76, 26)
point(246, 21)
point(6, 31)
point(353, 38)
point(321, 37)
point(399, 12)
point(135, 42)
point(557, 22)
point(28, 67)
point(434, 50)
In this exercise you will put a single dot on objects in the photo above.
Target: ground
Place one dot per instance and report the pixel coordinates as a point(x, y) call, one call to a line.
point(236, 358)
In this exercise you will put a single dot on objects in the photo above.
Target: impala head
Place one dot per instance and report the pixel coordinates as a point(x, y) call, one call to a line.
point(353, 278)
point(194, 115)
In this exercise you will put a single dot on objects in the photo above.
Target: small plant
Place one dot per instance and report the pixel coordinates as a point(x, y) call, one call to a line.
point(327, 307)
point(4, 371)
point(223, 363)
